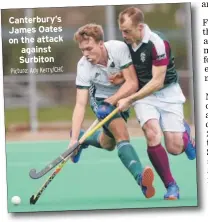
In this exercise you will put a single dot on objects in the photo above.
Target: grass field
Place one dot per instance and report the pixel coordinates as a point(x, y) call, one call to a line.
point(98, 181)
point(59, 113)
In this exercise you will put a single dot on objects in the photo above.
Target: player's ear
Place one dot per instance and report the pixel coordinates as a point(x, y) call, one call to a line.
point(101, 43)
point(140, 26)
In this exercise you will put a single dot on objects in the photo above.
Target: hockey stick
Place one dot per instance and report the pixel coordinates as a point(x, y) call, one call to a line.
point(34, 198)
point(34, 175)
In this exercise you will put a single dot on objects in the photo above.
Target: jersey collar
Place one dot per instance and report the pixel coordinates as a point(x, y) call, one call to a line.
point(147, 33)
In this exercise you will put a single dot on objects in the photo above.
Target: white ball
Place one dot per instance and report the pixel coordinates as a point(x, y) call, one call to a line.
point(16, 200)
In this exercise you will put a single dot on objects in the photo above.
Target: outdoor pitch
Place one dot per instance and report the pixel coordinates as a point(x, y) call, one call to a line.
point(98, 181)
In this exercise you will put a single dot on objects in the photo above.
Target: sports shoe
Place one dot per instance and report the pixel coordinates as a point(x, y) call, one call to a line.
point(146, 182)
point(190, 149)
point(172, 192)
point(76, 155)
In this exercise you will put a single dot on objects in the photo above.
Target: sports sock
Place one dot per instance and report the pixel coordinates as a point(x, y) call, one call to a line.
point(93, 140)
point(129, 158)
point(159, 160)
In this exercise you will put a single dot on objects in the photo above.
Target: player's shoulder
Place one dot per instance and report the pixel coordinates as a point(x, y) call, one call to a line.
point(115, 42)
point(84, 68)
point(158, 41)
point(83, 63)
point(115, 45)
point(156, 38)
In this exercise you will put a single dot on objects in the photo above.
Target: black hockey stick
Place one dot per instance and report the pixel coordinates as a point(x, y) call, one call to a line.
point(36, 175)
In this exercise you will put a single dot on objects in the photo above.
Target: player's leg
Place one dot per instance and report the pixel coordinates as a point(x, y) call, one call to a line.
point(179, 142)
point(101, 138)
point(176, 138)
point(148, 117)
point(143, 175)
point(117, 129)
point(177, 132)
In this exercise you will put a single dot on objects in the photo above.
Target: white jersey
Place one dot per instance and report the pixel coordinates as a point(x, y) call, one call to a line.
point(96, 76)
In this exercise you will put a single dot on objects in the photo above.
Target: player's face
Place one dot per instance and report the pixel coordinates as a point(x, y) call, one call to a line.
point(130, 32)
point(91, 50)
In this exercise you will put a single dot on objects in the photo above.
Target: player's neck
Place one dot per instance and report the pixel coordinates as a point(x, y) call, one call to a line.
point(138, 40)
point(104, 58)
point(136, 43)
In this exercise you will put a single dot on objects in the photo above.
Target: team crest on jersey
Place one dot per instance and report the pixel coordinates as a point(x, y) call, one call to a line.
point(112, 65)
point(97, 74)
point(143, 56)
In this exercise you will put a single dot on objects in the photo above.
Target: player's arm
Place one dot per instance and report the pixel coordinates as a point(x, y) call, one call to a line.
point(79, 113)
point(117, 78)
point(160, 60)
point(82, 85)
point(155, 84)
point(130, 84)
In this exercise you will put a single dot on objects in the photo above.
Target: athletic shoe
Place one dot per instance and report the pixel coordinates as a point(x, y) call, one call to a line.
point(76, 155)
point(172, 192)
point(146, 182)
point(190, 149)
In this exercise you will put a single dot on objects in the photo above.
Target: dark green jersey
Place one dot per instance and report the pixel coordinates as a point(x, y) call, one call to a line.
point(154, 50)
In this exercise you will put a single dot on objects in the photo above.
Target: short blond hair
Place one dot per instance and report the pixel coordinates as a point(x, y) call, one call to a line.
point(135, 14)
point(89, 30)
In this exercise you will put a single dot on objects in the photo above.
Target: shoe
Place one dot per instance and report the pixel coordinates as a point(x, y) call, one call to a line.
point(76, 155)
point(146, 182)
point(172, 192)
point(190, 149)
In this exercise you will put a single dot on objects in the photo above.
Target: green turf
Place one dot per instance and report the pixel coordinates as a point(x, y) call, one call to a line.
point(59, 113)
point(98, 181)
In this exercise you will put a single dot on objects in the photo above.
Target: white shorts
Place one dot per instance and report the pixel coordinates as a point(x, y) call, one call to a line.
point(166, 106)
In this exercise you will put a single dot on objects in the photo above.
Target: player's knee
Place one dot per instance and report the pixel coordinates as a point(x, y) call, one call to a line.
point(109, 148)
point(175, 149)
point(108, 145)
point(152, 133)
point(119, 129)
point(174, 152)
point(174, 145)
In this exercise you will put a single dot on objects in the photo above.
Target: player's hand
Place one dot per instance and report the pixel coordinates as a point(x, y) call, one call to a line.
point(111, 100)
point(72, 142)
point(116, 78)
point(124, 104)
